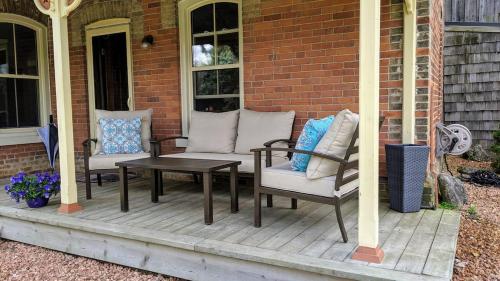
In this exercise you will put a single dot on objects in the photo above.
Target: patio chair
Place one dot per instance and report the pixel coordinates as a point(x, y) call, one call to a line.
point(98, 163)
point(336, 187)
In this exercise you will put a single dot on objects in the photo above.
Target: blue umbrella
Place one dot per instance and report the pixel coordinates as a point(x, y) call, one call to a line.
point(49, 137)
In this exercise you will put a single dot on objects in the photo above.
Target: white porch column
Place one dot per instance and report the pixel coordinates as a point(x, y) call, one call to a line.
point(369, 71)
point(58, 10)
point(409, 70)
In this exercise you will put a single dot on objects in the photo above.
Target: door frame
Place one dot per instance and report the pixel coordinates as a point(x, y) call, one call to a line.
point(106, 27)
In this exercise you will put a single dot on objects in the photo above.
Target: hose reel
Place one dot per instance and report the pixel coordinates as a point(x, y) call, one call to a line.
point(454, 139)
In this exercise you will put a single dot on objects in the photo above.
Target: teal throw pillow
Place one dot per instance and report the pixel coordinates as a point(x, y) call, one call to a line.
point(309, 137)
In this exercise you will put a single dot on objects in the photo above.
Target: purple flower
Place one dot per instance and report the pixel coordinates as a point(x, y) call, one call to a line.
point(48, 188)
point(7, 188)
point(47, 195)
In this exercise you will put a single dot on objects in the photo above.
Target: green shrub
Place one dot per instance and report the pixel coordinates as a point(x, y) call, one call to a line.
point(472, 211)
point(447, 205)
point(496, 150)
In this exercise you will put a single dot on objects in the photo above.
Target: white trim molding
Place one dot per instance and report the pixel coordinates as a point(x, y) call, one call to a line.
point(13, 136)
point(185, 9)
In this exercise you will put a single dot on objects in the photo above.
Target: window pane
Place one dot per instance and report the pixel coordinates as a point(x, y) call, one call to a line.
point(229, 81)
point(227, 48)
point(26, 51)
point(203, 51)
point(202, 19)
point(205, 83)
point(7, 63)
point(217, 105)
point(226, 16)
point(27, 102)
point(8, 118)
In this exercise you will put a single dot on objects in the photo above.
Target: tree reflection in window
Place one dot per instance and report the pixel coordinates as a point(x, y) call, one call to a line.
point(215, 64)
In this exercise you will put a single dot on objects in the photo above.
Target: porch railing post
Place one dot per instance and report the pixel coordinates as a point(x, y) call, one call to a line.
point(369, 55)
point(58, 11)
point(409, 71)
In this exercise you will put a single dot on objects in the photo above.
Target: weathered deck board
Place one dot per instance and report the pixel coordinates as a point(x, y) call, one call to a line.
point(418, 246)
point(415, 254)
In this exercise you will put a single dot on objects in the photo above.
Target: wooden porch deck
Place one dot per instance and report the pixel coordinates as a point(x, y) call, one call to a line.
point(170, 237)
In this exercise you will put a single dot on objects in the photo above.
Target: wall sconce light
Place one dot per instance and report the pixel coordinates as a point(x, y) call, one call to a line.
point(147, 41)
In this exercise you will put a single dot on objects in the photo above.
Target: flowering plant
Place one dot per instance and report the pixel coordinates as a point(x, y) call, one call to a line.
point(40, 185)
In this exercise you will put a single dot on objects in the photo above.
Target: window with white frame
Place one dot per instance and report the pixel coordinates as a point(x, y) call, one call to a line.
point(23, 86)
point(215, 60)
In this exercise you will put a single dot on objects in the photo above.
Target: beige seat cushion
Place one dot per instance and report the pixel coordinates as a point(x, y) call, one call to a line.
point(283, 177)
point(104, 162)
point(334, 142)
point(247, 161)
point(127, 115)
point(256, 128)
point(212, 132)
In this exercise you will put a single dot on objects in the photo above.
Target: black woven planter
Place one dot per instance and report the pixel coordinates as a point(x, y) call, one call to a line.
point(406, 170)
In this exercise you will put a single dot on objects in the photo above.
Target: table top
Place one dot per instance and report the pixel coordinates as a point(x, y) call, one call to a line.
point(178, 164)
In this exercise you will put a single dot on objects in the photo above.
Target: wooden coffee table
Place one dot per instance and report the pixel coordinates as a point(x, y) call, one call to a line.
point(182, 165)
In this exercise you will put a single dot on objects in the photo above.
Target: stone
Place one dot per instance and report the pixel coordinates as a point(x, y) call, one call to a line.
point(477, 153)
point(452, 190)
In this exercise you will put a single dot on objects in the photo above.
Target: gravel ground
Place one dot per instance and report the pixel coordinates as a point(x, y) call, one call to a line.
point(21, 262)
point(478, 249)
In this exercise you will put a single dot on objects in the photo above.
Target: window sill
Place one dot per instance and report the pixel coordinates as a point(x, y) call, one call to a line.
point(19, 136)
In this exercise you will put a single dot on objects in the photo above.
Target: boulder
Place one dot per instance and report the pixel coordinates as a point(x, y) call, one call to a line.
point(452, 189)
point(477, 153)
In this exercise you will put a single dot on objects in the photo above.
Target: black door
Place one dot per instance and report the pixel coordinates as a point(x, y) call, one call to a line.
point(110, 72)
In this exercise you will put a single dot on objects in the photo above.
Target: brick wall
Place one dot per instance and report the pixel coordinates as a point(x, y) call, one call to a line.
point(436, 90)
point(298, 55)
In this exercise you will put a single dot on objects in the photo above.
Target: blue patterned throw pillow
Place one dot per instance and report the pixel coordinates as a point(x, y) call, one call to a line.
point(309, 137)
point(121, 136)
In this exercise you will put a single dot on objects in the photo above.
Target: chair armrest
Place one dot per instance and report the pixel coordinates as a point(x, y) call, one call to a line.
point(156, 144)
point(86, 149)
point(293, 150)
point(87, 142)
point(287, 141)
point(157, 141)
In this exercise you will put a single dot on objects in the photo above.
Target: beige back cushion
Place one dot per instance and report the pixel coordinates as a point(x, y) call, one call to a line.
point(334, 142)
point(212, 132)
point(128, 115)
point(256, 128)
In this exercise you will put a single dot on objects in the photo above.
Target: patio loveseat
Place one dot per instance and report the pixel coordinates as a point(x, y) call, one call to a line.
point(231, 135)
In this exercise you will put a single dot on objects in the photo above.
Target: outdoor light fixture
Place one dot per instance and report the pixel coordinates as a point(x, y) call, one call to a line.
point(147, 41)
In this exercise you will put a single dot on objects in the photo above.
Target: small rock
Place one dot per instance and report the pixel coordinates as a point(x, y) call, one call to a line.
point(477, 153)
point(452, 189)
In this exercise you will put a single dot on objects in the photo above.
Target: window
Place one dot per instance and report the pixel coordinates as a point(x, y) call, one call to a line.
point(23, 101)
point(211, 56)
point(215, 65)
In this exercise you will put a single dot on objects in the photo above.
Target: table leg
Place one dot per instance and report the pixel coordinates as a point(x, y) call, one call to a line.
point(123, 189)
point(160, 183)
point(208, 203)
point(234, 189)
point(154, 186)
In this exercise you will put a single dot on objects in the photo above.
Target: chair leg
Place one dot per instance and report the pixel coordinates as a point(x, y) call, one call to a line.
point(88, 189)
point(257, 208)
point(269, 200)
point(294, 203)
point(99, 180)
point(340, 220)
